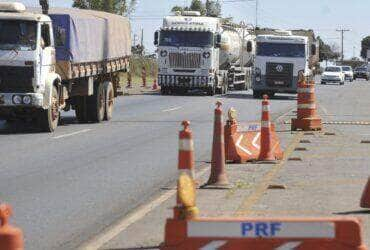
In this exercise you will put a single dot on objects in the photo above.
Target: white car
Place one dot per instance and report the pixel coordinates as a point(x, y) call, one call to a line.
point(333, 74)
point(348, 73)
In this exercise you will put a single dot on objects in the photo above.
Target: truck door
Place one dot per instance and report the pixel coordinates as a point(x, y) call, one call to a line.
point(47, 55)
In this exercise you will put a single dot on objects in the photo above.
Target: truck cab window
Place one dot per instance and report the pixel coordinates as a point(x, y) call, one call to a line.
point(45, 36)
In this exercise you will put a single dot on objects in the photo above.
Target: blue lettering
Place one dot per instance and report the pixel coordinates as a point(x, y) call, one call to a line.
point(261, 230)
point(246, 227)
point(275, 227)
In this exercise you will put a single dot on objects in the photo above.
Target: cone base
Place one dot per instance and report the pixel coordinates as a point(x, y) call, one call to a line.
point(308, 124)
point(216, 186)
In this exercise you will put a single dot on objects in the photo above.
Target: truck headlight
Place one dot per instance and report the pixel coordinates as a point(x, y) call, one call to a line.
point(27, 99)
point(258, 78)
point(17, 99)
point(258, 72)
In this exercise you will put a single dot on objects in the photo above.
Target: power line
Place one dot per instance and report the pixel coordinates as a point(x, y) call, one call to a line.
point(342, 38)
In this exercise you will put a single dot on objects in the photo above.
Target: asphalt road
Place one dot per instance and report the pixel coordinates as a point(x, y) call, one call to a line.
point(68, 186)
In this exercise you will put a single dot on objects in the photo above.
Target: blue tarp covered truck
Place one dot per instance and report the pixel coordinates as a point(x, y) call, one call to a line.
point(60, 60)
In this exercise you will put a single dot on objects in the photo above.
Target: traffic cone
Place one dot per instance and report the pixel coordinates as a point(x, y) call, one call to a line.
point(365, 199)
point(266, 154)
point(186, 160)
point(11, 238)
point(143, 76)
point(218, 177)
point(155, 85)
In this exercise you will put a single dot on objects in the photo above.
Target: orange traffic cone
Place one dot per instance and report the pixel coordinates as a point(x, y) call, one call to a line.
point(11, 238)
point(365, 200)
point(155, 85)
point(218, 177)
point(186, 159)
point(266, 153)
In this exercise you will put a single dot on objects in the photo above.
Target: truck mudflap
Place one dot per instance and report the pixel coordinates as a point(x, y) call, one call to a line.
point(184, 81)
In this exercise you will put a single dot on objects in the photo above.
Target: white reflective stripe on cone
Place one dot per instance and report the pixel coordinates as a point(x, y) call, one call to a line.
point(307, 106)
point(265, 124)
point(186, 145)
point(305, 90)
point(266, 108)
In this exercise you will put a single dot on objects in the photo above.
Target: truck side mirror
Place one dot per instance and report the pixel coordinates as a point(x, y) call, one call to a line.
point(218, 41)
point(313, 49)
point(249, 47)
point(156, 38)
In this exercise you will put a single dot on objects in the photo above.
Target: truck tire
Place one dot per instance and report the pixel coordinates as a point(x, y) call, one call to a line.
point(96, 104)
point(211, 91)
point(109, 101)
point(257, 94)
point(81, 109)
point(48, 119)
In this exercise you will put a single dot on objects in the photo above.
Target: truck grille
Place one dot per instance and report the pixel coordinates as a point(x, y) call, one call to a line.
point(279, 74)
point(16, 79)
point(187, 61)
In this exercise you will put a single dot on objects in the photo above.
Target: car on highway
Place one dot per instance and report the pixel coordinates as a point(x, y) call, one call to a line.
point(361, 72)
point(348, 73)
point(333, 74)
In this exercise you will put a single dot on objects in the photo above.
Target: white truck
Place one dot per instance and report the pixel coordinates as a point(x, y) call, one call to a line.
point(198, 52)
point(280, 58)
point(58, 60)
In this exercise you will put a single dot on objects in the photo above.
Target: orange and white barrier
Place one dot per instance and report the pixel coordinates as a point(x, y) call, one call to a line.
point(307, 118)
point(155, 84)
point(143, 76)
point(365, 199)
point(243, 141)
point(186, 150)
point(11, 238)
point(264, 234)
point(218, 177)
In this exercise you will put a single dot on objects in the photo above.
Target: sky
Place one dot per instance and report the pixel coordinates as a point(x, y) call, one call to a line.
point(323, 16)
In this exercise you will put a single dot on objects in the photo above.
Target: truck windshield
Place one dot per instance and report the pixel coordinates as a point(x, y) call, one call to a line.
point(281, 50)
point(186, 39)
point(17, 35)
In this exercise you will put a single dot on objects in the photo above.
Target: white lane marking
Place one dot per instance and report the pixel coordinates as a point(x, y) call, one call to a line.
point(254, 142)
point(71, 134)
point(172, 109)
point(240, 147)
point(214, 245)
point(289, 246)
point(122, 224)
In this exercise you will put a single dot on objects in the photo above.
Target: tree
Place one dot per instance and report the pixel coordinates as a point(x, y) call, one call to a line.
point(177, 8)
point(327, 52)
point(121, 7)
point(213, 8)
point(365, 45)
point(197, 5)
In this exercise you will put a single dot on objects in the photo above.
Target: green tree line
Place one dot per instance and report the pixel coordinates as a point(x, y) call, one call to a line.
point(121, 7)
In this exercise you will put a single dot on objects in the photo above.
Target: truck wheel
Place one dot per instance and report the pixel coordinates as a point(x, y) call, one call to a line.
point(80, 109)
point(211, 91)
point(257, 94)
point(109, 101)
point(96, 104)
point(49, 118)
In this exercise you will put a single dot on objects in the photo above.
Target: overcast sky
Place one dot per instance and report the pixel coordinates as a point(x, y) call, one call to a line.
point(323, 16)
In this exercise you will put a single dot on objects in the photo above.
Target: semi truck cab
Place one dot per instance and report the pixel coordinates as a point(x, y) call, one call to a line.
point(279, 61)
point(27, 65)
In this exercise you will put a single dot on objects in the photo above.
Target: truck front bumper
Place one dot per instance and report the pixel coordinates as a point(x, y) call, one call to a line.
point(185, 81)
point(263, 86)
point(9, 100)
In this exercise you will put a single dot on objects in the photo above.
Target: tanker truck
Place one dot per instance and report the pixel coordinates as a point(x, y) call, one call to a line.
point(203, 53)
point(60, 59)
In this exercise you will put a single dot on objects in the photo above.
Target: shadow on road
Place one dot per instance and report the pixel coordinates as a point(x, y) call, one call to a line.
point(250, 96)
point(364, 211)
point(136, 248)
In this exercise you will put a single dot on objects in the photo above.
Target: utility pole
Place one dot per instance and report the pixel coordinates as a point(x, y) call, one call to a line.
point(256, 14)
point(342, 38)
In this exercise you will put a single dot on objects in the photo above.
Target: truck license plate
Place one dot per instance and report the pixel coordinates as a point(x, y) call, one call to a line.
point(279, 83)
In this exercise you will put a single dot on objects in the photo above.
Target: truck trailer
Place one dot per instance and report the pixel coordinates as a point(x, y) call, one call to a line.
point(204, 53)
point(60, 59)
point(280, 58)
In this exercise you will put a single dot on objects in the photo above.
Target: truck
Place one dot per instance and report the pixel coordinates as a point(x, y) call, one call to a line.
point(203, 53)
point(60, 59)
point(280, 58)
